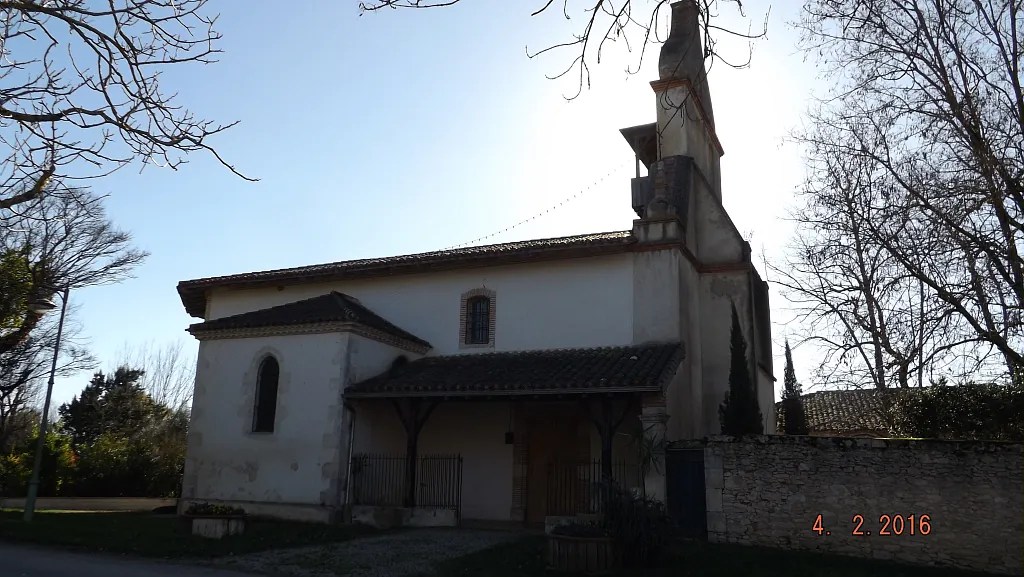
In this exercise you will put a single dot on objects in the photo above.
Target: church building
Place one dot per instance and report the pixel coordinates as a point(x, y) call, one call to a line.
point(492, 382)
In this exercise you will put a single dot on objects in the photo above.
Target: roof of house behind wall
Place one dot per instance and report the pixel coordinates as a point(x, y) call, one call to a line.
point(843, 411)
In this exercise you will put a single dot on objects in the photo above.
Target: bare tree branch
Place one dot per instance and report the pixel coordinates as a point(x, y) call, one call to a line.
point(914, 188)
point(25, 368)
point(67, 241)
point(603, 22)
point(81, 94)
point(170, 374)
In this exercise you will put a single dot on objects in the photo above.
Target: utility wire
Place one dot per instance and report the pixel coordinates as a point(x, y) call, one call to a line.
point(540, 214)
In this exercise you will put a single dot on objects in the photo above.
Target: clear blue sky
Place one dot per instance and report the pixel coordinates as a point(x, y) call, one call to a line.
point(409, 131)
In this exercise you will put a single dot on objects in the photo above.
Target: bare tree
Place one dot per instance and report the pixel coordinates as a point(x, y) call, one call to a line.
point(925, 129)
point(25, 368)
point(875, 324)
point(633, 22)
point(67, 241)
point(169, 373)
point(81, 92)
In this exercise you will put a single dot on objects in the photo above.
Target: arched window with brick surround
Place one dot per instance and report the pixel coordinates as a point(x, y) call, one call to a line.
point(478, 321)
point(265, 410)
point(478, 314)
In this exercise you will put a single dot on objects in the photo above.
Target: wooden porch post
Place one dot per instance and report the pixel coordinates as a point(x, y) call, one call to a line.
point(653, 417)
point(607, 438)
point(607, 423)
point(413, 421)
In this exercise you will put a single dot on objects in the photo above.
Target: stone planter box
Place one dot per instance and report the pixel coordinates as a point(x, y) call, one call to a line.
point(217, 527)
point(586, 555)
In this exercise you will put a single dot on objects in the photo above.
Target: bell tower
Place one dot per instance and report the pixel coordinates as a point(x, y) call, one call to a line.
point(686, 120)
point(681, 149)
point(692, 266)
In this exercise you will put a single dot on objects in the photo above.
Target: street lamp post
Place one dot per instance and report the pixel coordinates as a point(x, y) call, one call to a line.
point(41, 306)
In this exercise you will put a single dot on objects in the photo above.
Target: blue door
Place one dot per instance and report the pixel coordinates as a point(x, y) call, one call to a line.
point(684, 479)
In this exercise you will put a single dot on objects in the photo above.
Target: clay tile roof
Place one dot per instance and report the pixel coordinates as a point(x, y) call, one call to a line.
point(844, 411)
point(193, 292)
point(606, 369)
point(327, 308)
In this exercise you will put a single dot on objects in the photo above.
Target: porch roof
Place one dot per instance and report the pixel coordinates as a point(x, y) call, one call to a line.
point(331, 307)
point(560, 371)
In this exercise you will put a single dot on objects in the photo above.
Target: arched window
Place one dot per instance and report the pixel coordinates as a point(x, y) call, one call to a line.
point(266, 396)
point(478, 320)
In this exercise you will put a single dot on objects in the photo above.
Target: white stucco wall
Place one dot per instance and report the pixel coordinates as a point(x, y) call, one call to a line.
point(299, 460)
point(377, 428)
point(574, 303)
point(766, 400)
point(475, 430)
point(369, 358)
point(684, 133)
point(656, 302)
point(667, 307)
point(718, 241)
point(690, 406)
point(718, 292)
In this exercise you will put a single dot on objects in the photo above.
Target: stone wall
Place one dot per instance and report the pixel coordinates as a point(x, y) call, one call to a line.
point(965, 498)
point(90, 503)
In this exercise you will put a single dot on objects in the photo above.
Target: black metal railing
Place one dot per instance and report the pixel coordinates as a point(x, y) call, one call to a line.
point(381, 480)
point(574, 487)
point(440, 482)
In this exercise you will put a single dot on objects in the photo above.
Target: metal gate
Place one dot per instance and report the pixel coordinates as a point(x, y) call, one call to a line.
point(380, 480)
point(685, 493)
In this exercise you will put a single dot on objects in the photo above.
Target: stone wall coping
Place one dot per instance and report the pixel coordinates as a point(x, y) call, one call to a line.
point(943, 445)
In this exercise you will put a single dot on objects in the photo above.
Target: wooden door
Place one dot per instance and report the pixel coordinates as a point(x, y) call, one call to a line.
point(552, 439)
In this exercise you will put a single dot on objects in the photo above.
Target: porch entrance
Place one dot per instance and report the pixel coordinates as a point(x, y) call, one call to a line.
point(553, 437)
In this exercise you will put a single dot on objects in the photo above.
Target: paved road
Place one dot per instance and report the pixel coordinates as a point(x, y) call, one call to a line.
point(22, 561)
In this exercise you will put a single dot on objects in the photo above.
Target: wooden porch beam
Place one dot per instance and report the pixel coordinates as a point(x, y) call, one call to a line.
point(607, 423)
point(412, 420)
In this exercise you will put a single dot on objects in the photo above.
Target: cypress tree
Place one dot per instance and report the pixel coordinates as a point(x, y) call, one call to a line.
point(740, 414)
point(794, 417)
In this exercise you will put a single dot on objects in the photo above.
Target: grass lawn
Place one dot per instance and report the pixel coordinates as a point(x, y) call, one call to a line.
point(160, 536)
point(525, 558)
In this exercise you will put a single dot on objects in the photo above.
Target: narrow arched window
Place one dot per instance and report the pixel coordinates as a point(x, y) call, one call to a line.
point(478, 320)
point(266, 396)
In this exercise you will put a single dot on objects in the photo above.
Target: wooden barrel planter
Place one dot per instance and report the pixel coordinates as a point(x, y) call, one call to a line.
point(586, 555)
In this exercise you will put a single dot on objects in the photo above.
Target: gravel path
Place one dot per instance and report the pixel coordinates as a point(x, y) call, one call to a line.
point(396, 555)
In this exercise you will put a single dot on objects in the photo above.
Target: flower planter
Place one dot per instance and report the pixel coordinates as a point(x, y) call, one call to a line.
point(587, 555)
point(217, 527)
